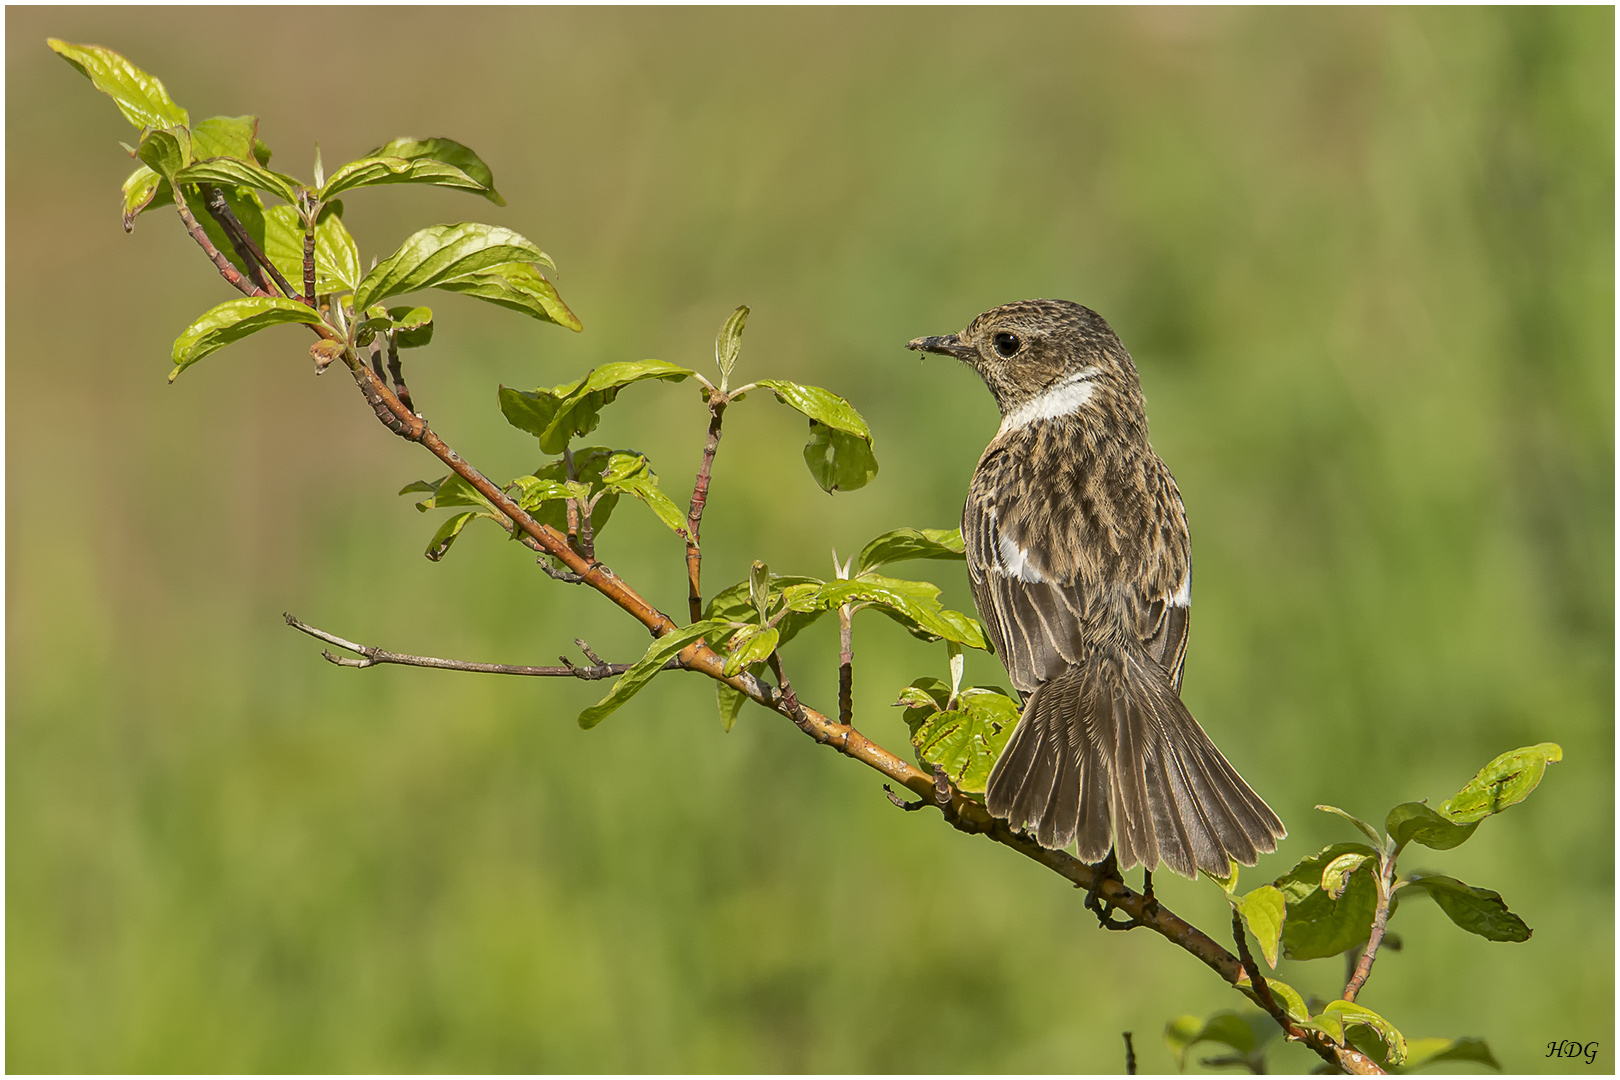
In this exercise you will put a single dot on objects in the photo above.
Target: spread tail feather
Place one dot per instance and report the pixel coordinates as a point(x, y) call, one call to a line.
point(1107, 754)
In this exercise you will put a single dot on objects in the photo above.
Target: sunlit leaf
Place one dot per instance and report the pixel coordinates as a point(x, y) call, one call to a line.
point(902, 544)
point(728, 343)
point(661, 652)
point(1337, 873)
point(519, 286)
point(1265, 910)
point(1350, 1013)
point(442, 253)
point(373, 171)
point(1506, 780)
point(964, 741)
point(631, 473)
point(143, 191)
point(239, 173)
point(735, 604)
point(1415, 823)
point(556, 415)
point(750, 645)
point(233, 321)
point(166, 153)
point(139, 96)
point(839, 452)
point(413, 326)
point(913, 604)
point(225, 136)
point(449, 152)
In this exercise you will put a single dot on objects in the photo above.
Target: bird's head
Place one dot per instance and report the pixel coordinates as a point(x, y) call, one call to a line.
point(1036, 355)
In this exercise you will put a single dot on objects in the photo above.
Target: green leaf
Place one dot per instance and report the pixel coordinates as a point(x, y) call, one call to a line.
point(413, 326)
point(373, 171)
point(922, 699)
point(443, 253)
point(144, 190)
point(965, 741)
point(239, 173)
point(751, 645)
point(233, 321)
point(913, 604)
point(440, 544)
point(661, 651)
point(1413, 822)
point(225, 136)
point(1508, 779)
point(556, 415)
point(449, 152)
point(1286, 996)
point(1337, 873)
point(165, 153)
point(590, 463)
point(1424, 1052)
point(734, 604)
point(1264, 910)
point(631, 473)
point(902, 544)
point(140, 97)
point(519, 286)
point(731, 703)
point(1228, 884)
point(1349, 1013)
point(728, 343)
point(839, 452)
point(1317, 924)
point(1367, 830)
point(1479, 911)
point(448, 490)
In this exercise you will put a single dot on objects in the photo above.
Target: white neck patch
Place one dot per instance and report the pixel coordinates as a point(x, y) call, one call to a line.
point(1063, 398)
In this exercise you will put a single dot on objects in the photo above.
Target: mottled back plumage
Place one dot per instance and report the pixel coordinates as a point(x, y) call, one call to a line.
point(1078, 551)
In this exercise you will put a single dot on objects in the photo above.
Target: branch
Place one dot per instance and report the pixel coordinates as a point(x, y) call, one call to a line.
point(846, 666)
point(246, 249)
point(700, 498)
point(372, 656)
point(397, 373)
point(226, 270)
point(309, 259)
point(1358, 978)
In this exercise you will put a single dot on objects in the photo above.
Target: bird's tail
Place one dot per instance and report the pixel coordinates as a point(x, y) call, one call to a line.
point(1106, 752)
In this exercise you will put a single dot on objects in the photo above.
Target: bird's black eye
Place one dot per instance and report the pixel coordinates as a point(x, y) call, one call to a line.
point(1007, 344)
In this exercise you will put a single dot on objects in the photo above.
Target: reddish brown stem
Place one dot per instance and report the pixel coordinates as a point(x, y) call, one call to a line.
point(1375, 938)
point(397, 373)
point(226, 270)
point(846, 667)
point(694, 513)
point(309, 262)
point(246, 249)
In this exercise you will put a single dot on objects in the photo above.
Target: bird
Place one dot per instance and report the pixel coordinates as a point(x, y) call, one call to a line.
point(1081, 567)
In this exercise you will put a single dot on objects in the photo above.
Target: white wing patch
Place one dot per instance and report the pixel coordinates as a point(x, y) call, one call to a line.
point(1016, 562)
point(1063, 398)
point(1183, 594)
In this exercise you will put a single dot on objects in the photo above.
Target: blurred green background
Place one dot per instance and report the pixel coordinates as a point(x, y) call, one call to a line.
point(1363, 258)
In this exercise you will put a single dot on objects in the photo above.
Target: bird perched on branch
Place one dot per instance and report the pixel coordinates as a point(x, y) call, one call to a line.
point(1078, 552)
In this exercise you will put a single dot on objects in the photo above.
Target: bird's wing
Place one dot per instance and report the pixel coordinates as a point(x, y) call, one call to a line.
point(1040, 579)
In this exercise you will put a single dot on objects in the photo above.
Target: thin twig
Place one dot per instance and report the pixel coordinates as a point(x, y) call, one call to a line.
point(700, 499)
point(1130, 1056)
point(226, 270)
point(250, 252)
point(371, 656)
point(1358, 978)
point(397, 372)
point(846, 666)
point(309, 261)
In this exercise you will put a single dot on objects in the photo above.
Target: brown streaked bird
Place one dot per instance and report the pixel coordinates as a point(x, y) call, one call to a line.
point(1078, 552)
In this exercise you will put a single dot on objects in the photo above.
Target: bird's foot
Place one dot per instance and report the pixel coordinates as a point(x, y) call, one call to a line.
point(1108, 870)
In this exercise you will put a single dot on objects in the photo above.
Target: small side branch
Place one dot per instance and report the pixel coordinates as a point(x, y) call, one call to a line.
point(370, 656)
point(1375, 938)
point(226, 270)
point(249, 252)
point(846, 666)
point(700, 499)
point(397, 373)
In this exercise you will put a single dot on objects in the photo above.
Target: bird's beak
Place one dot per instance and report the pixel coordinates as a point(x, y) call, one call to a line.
point(949, 345)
